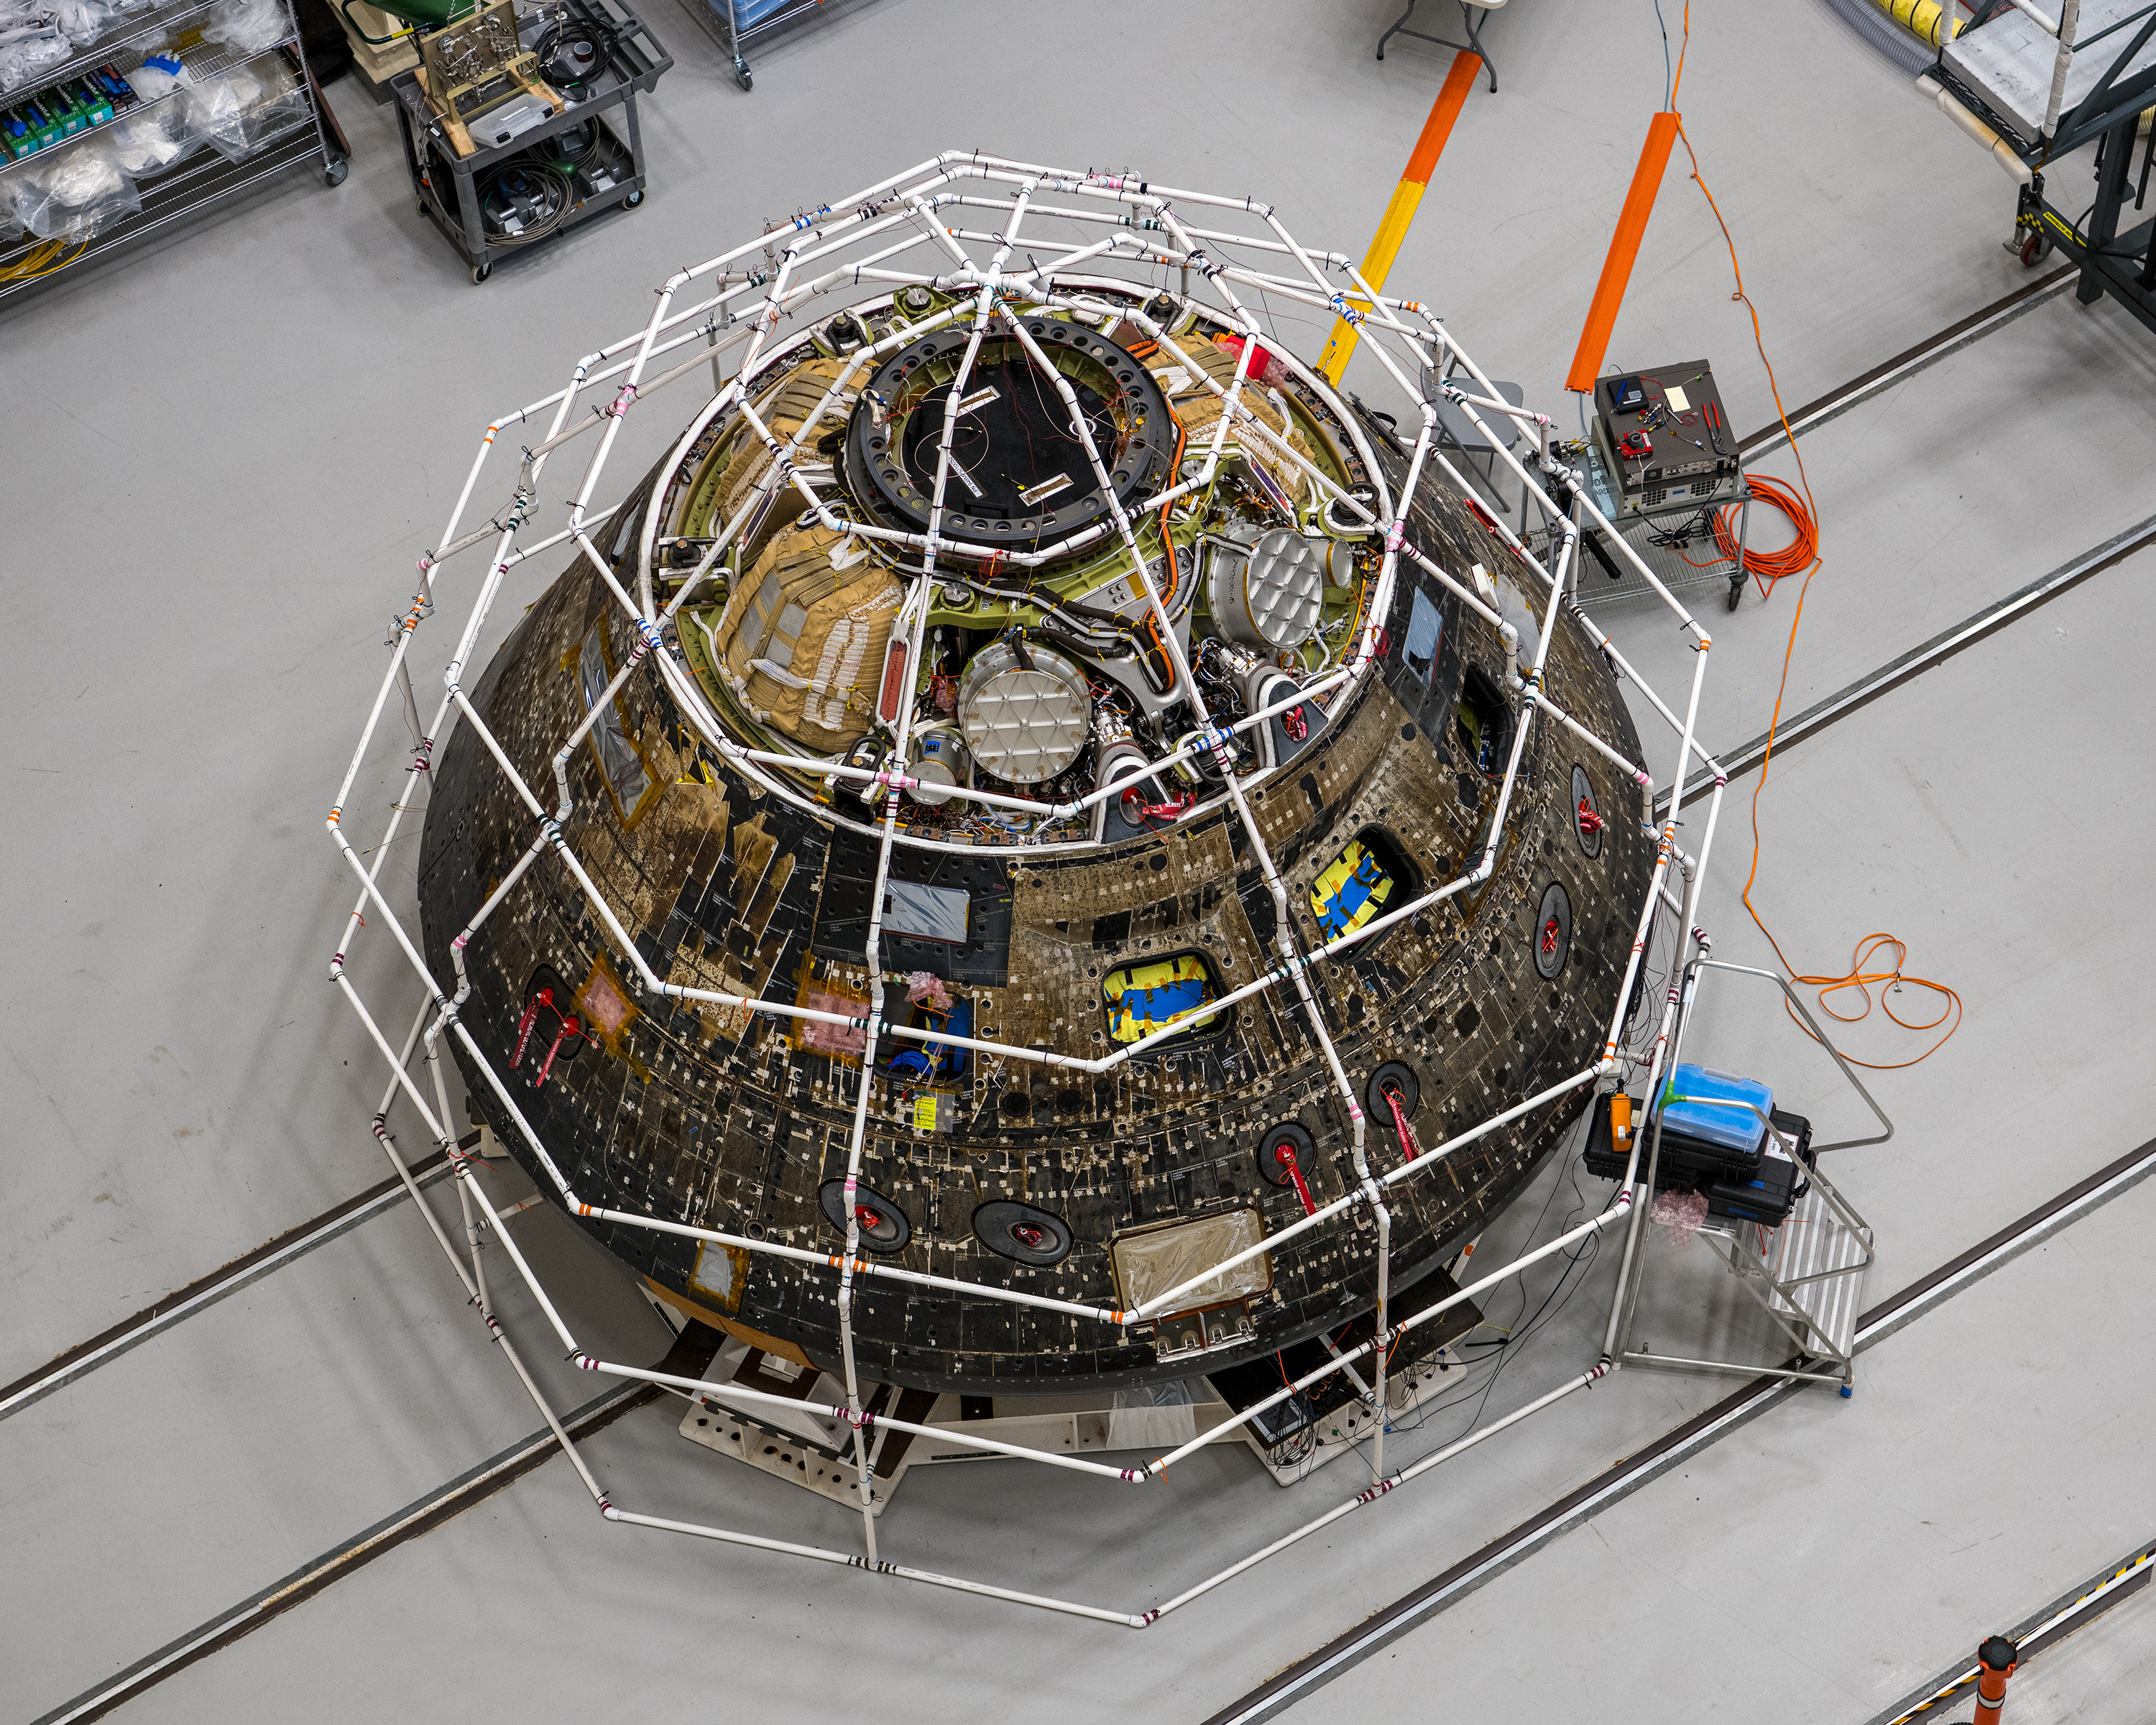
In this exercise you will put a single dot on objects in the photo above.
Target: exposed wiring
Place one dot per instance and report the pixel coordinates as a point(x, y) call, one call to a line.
point(43, 259)
point(1668, 94)
point(1502, 1346)
point(1765, 567)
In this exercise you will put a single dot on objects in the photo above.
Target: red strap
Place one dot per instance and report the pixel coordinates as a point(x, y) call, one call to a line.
point(1285, 1155)
point(1410, 1147)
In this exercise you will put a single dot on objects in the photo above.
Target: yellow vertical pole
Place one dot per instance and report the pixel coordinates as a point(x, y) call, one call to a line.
point(1377, 261)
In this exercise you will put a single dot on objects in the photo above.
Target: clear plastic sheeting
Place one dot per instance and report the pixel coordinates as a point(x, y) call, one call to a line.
point(150, 139)
point(248, 25)
point(159, 74)
point(28, 45)
point(1155, 1259)
point(71, 192)
point(1153, 1416)
point(236, 114)
point(82, 22)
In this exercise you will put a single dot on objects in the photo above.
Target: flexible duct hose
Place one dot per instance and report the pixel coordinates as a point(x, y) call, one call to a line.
point(1926, 20)
point(1872, 22)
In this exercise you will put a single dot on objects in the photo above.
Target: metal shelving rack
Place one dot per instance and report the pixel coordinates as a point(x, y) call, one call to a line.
point(202, 180)
point(762, 18)
point(1698, 562)
point(446, 184)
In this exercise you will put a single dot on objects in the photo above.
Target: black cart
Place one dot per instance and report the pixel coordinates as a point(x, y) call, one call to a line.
point(508, 196)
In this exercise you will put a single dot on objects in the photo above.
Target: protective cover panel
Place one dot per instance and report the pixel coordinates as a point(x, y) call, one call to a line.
point(1155, 1259)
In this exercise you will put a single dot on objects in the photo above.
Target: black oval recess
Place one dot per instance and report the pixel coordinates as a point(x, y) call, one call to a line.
point(1393, 1075)
point(1287, 1137)
point(1018, 1231)
point(1583, 797)
point(884, 1226)
point(1552, 931)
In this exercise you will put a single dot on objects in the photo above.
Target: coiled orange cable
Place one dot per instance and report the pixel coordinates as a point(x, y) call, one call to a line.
point(1766, 568)
point(1803, 558)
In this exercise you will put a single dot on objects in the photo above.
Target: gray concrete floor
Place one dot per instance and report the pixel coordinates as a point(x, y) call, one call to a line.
point(247, 438)
point(2104, 1675)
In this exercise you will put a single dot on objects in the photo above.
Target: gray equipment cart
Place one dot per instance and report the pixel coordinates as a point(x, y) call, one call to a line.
point(548, 177)
point(1679, 557)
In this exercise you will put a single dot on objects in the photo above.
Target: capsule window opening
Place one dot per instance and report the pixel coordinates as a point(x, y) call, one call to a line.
point(1371, 876)
point(1156, 992)
point(1484, 722)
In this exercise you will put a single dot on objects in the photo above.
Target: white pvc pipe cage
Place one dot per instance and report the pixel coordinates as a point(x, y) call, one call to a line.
point(1118, 230)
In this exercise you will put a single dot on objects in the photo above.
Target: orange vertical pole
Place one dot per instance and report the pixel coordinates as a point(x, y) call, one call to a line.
point(1624, 249)
point(1996, 1661)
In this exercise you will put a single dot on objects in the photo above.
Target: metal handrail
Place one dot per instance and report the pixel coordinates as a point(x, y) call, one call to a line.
point(1811, 1026)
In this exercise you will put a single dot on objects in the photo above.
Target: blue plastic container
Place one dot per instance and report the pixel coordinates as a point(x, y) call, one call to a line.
point(1708, 1124)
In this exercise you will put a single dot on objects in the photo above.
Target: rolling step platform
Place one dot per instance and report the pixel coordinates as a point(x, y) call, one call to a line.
point(1805, 1260)
point(2033, 97)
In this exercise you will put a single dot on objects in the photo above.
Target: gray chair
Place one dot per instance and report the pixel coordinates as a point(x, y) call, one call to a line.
point(1471, 19)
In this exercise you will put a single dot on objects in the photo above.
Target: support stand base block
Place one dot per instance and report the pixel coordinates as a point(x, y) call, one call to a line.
point(789, 1459)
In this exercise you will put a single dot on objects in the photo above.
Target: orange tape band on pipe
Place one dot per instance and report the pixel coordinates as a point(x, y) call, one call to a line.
point(1623, 249)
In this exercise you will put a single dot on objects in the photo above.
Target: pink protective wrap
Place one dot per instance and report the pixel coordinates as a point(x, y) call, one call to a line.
point(1682, 1212)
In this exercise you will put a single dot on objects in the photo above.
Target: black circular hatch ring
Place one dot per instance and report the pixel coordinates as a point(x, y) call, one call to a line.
point(883, 1227)
point(1030, 477)
point(1021, 1233)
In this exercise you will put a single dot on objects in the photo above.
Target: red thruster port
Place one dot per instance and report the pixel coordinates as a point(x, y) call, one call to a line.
point(1409, 1145)
point(545, 997)
point(1589, 821)
point(1293, 722)
point(1550, 931)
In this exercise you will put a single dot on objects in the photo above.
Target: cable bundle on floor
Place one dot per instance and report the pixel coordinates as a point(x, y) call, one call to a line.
point(1766, 568)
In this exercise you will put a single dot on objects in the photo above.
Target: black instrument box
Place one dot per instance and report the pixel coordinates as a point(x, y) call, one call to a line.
point(1768, 1199)
point(1684, 1167)
point(1691, 454)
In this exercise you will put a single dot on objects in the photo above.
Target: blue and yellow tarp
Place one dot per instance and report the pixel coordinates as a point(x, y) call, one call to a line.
point(1145, 998)
point(1350, 892)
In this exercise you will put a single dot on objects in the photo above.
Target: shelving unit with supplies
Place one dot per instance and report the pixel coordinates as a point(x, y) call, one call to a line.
point(196, 183)
point(736, 22)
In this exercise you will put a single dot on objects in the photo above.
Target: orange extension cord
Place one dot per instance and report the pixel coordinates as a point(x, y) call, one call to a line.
point(1766, 568)
point(1802, 557)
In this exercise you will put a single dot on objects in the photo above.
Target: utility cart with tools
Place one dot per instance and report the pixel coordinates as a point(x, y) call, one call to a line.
point(1661, 463)
point(509, 123)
